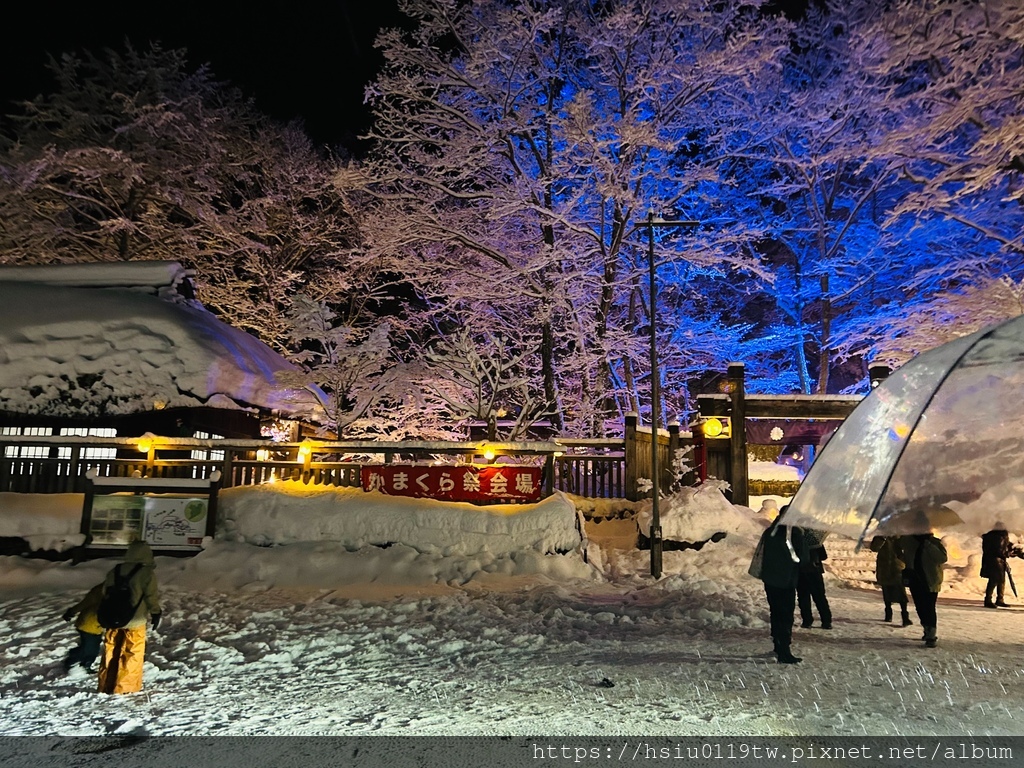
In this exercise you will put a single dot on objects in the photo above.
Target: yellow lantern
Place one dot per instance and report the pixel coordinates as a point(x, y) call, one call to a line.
point(713, 427)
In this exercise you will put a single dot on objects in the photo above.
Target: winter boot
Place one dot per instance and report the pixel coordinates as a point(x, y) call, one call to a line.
point(785, 657)
point(930, 638)
point(906, 618)
point(888, 613)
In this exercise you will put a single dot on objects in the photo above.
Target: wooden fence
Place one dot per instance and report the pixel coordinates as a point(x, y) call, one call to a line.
point(600, 468)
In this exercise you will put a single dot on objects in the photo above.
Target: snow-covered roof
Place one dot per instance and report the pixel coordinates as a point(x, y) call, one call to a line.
point(87, 351)
point(167, 279)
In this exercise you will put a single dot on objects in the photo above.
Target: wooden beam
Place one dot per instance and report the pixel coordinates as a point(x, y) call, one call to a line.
point(781, 406)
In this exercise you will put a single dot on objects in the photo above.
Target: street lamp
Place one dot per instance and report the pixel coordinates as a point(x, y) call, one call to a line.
point(656, 544)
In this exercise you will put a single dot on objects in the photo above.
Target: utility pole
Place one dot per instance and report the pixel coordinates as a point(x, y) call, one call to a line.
point(656, 541)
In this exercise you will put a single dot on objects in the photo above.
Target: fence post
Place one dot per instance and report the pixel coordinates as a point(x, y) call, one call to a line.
point(631, 456)
point(673, 453)
point(549, 474)
point(227, 469)
point(738, 436)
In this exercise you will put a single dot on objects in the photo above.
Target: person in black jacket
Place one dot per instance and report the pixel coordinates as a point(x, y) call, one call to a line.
point(778, 568)
point(810, 583)
point(995, 550)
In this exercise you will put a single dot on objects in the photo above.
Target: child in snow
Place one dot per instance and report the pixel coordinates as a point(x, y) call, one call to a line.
point(90, 633)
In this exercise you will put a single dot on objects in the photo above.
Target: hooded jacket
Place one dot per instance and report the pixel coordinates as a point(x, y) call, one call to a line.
point(143, 581)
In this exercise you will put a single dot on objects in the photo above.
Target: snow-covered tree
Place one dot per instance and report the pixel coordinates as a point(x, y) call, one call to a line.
point(950, 79)
point(134, 157)
point(483, 378)
point(519, 144)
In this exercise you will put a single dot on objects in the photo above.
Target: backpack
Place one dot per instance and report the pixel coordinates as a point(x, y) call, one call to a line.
point(116, 608)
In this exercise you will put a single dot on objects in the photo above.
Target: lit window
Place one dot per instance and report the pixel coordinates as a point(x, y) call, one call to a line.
point(204, 455)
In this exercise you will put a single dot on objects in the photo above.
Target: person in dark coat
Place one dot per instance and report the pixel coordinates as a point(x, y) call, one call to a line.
point(995, 550)
point(810, 583)
point(924, 558)
point(889, 575)
point(779, 568)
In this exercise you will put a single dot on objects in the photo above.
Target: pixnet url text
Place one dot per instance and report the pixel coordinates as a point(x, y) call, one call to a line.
point(633, 751)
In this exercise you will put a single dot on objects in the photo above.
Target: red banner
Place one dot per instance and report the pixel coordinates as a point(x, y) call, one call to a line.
point(493, 483)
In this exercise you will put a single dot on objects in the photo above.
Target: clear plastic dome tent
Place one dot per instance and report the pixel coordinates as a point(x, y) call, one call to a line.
point(939, 444)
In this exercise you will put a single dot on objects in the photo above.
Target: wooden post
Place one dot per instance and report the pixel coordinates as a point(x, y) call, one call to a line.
point(211, 510)
point(738, 436)
point(227, 470)
point(631, 456)
point(549, 475)
point(673, 454)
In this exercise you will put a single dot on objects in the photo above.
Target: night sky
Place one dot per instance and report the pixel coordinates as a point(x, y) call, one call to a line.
point(297, 60)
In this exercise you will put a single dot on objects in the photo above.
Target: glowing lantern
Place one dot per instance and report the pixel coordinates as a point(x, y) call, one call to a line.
point(713, 428)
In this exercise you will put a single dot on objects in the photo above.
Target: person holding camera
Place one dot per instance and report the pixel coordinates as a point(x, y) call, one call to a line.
point(995, 550)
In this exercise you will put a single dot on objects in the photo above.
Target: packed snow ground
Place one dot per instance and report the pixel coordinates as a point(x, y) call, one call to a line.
point(344, 637)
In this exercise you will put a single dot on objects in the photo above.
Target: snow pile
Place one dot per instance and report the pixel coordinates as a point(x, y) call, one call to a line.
point(290, 512)
point(45, 521)
point(696, 514)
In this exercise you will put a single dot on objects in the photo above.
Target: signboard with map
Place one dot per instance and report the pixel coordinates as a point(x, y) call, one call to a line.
point(162, 521)
point(165, 513)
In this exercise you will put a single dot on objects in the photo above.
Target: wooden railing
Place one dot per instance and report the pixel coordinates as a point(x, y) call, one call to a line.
point(599, 468)
point(598, 471)
point(595, 468)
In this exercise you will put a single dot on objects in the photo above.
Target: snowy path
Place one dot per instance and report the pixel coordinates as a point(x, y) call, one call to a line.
point(515, 661)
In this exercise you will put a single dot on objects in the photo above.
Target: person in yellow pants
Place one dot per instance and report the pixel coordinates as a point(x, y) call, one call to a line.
point(125, 647)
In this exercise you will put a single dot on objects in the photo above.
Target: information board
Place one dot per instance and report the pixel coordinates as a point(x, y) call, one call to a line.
point(164, 521)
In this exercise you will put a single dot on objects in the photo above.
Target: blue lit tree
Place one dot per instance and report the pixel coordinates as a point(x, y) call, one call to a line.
point(519, 145)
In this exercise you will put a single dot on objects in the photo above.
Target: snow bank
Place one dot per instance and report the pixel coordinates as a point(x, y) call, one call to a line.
point(290, 512)
point(696, 514)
